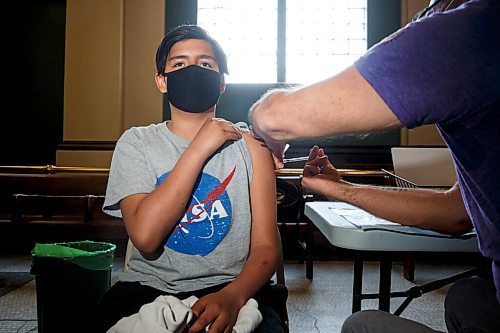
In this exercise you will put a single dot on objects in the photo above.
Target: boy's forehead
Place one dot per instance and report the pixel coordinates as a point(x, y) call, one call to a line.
point(191, 46)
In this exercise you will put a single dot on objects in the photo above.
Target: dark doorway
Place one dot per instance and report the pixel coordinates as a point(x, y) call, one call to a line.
point(32, 118)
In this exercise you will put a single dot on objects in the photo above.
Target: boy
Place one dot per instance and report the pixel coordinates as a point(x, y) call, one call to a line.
point(197, 196)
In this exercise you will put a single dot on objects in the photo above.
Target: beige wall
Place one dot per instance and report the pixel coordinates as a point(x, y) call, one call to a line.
point(410, 7)
point(426, 135)
point(109, 70)
point(144, 30)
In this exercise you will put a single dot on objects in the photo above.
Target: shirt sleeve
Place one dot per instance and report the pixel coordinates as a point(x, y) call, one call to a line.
point(440, 69)
point(129, 173)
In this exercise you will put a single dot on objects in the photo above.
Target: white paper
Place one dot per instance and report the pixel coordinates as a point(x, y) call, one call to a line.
point(366, 222)
point(359, 217)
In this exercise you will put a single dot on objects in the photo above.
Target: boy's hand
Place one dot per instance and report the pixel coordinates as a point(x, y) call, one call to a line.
point(218, 310)
point(213, 134)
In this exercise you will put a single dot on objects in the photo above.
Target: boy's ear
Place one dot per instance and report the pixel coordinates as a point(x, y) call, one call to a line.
point(222, 83)
point(161, 83)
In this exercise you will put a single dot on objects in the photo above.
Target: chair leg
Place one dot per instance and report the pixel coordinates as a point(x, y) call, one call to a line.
point(128, 253)
point(280, 279)
point(309, 250)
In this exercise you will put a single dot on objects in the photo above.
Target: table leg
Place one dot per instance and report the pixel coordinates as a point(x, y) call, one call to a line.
point(409, 266)
point(358, 282)
point(384, 302)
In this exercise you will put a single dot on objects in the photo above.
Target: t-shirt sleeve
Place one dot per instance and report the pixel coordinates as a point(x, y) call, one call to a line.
point(245, 152)
point(438, 69)
point(129, 173)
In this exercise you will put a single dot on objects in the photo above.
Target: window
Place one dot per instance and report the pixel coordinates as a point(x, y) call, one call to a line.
point(319, 38)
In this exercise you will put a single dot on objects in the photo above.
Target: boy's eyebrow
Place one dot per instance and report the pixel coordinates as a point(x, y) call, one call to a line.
point(207, 56)
point(177, 57)
point(201, 56)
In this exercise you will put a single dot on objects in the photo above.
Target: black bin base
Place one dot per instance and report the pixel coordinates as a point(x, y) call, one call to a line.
point(67, 294)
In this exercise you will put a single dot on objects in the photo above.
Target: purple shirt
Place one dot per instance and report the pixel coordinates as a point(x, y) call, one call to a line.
point(445, 69)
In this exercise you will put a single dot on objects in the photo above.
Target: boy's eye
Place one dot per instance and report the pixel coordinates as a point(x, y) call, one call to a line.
point(206, 64)
point(179, 64)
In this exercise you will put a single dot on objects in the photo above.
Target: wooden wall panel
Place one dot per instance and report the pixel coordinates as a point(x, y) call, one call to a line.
point(144, 30)
point(109, 75)
point(93, 70)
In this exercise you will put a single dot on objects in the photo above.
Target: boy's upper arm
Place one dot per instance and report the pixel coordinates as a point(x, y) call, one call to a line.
point(262, 193)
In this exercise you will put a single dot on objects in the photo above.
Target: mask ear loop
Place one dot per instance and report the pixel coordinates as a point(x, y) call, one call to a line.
point(451, 2)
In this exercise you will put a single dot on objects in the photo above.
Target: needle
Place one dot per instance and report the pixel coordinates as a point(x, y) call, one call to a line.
point(295, 159)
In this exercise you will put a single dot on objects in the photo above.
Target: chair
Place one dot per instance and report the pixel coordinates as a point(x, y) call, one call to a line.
point(424, 167)
point(280, 277)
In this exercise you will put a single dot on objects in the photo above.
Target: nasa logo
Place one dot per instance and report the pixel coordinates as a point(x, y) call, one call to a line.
point(207, 218)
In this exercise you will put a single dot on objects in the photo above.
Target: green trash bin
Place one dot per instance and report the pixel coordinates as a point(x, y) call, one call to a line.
point(71, 278)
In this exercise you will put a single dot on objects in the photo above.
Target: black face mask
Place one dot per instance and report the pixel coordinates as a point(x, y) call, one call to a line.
point(193, 88)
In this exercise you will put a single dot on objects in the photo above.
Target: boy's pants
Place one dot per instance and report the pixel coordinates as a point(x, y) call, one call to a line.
point(126, 298)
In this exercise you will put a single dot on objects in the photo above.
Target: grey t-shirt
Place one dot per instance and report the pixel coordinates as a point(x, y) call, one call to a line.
point(210, 244)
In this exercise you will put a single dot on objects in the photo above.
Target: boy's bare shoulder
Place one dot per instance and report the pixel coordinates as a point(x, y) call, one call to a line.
point(257, 148)
point(253, 143)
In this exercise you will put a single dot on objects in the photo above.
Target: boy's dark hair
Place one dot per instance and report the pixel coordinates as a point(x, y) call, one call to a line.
point(188, 32)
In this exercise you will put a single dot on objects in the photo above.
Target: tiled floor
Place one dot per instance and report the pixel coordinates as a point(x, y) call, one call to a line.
point(320, 305)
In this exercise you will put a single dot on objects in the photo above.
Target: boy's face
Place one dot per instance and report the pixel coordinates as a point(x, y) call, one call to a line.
point(191, 52)
point(186, 53)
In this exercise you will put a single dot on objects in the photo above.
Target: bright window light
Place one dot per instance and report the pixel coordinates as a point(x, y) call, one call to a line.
point(322, 37)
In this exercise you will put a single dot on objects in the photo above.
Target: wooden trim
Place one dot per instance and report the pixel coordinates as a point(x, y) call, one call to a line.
point(47, 169)
point(342, 172)
point(86, 145)
point(54, 169)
